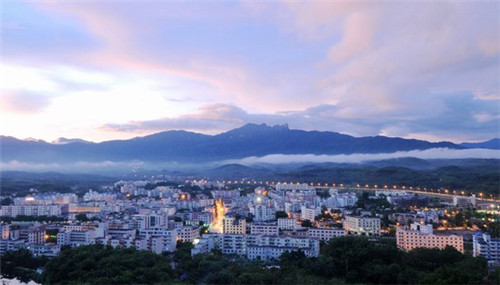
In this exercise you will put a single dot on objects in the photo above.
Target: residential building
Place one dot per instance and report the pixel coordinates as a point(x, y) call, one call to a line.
point(33, 210)
point(325, 234)
point(161, 239)
point(362, 225)
point(264, 229)
point(421, 235)
point(263, 213)
point(75, 238)
point(461, 201)
point(189, 233)
point(486, 246)
point(232, 225)
point(5, 230)
point(308, 213)
point(287, 223)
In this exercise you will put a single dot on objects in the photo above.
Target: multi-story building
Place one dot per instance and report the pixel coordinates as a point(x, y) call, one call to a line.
point(308, 213)
point(205, 244)
point(487, 247)
point(362, 225)
point(44, 249)
point(421, 235)
point(461, 201)
point(340, 200)
point(291, 186)
point(161, 239)
point(8, 245)
point(287, 223)
point(75, 238)
point(65, 198)
point(234, 244)
point(264, 229)
point(34, 235)
point(266, 248)
point(325, 234)
point(148, 221)
point(256, 246)
point(263, 213)
point(33, 210)
point(232, 225)
point(188, 233)
point(5, 230)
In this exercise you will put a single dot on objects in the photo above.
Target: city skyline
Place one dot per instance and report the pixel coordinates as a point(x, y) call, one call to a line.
point(117, 70)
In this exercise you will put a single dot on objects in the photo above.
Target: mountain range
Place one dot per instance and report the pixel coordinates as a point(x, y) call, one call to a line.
point(188, 147)
point(491, 144)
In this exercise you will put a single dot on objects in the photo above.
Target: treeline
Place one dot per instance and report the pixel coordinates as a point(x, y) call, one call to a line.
point(346, 260)
point(23, 218)
point(19, 182)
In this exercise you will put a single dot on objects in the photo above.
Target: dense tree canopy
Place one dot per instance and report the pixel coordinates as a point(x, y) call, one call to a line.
point(98, 264)
point(351, 260)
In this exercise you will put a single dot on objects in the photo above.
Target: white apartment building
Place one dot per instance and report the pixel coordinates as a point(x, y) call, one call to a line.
point(362, 225)
point(486, 246)
point(308, 213)
point(141, 244)
point(461, 201)
point(231, 225)
point(340, 200)
point(148, 221)
point(168, 238)
point(255, 246)
point(8, 245)
point(325, 234)
point(96, 196)
point(44, 249)
point(189, 233)
point(292, 207)
point(263, 213)
point(31, 210)
point(291, 186)
point(234, 244)
point(264, 229)
point(266, 248)
point(75, 238)
point(287, 223)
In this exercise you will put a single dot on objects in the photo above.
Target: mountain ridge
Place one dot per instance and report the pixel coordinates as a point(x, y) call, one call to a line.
point(184, 146)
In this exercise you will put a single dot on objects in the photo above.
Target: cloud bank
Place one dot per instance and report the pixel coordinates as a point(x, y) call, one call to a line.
point(435, 153)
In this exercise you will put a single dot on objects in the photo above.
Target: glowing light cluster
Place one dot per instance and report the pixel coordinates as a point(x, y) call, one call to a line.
point(219, 213)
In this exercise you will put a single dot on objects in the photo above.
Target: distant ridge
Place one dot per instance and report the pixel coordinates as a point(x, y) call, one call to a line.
point(182, 146)
point(491, 144)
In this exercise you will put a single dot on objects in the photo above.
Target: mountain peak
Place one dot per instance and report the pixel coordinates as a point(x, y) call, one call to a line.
point(63, 140)
point(263, 126)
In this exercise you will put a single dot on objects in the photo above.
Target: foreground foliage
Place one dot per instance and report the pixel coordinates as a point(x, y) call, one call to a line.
point(104, 265)
point(351, 260)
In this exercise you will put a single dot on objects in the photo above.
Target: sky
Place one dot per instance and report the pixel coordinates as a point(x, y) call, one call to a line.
point(102, 70)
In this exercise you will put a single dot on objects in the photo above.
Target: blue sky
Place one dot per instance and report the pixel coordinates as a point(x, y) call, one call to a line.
point(103, 70)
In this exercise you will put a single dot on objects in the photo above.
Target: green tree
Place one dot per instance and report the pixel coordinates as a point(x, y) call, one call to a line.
point(306, 224)
point(281, 214)
point(6, 201)
point(21, 264)
point(81, 217)
point(105, 265)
